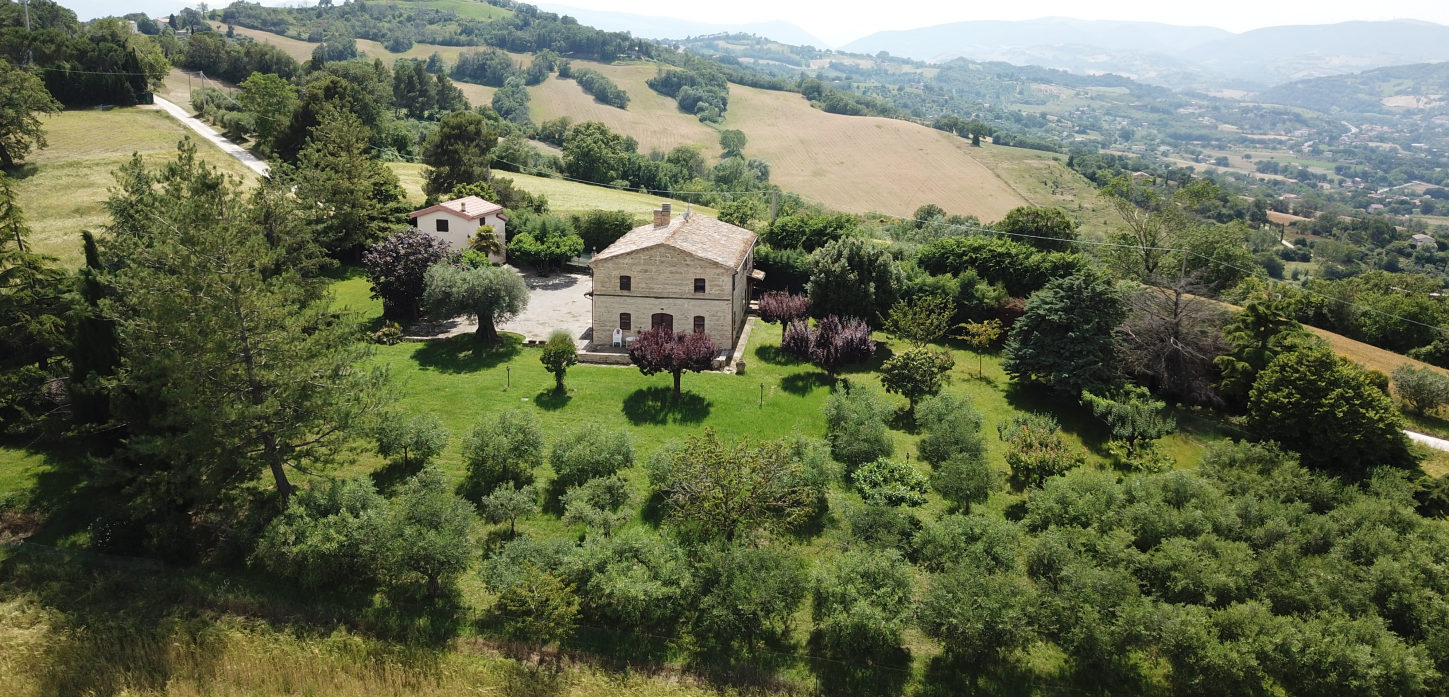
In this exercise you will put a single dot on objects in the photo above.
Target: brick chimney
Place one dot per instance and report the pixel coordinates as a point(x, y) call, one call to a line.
point(661, 216)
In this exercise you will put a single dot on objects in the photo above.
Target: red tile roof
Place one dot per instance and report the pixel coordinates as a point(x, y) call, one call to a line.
point(467, 208)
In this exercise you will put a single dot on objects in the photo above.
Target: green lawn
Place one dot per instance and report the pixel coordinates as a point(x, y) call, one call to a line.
point(63, 188)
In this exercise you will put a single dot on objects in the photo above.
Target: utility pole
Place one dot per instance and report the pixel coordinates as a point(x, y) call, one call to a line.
point(29, 54)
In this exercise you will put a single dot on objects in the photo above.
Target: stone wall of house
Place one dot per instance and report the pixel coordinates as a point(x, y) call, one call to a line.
point(662, 281)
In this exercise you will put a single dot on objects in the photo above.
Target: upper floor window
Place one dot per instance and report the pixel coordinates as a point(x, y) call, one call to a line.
point(442, 225)
point(699, 285)
point(625, 283)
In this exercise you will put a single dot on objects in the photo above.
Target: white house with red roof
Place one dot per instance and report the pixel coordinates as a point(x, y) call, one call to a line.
point(459, 221)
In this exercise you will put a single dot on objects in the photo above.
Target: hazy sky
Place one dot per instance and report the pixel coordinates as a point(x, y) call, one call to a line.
point(839, 21)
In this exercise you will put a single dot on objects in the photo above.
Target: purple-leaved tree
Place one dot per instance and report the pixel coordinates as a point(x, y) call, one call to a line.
point(660, 350)
point(777, 306)
point(395, 268)
point(832, 343)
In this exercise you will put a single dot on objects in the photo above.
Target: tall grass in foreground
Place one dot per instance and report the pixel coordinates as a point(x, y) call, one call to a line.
point(44, 652)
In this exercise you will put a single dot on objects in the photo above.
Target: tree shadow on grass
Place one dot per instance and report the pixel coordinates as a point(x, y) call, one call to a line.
point(886, 675)
point(945, 675)
point(1067, 410)
point(777, 356)
point(464, 354)
point(658, 406)
point(904, 421)
point(394, 473)
point(552, 400)
point(800, 384)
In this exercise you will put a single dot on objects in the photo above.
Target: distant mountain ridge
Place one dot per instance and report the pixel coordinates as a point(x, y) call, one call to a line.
point(1422, 89)
point(1179, 57)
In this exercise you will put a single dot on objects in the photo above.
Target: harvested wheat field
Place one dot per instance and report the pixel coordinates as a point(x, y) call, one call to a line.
point(859, 164)
point(652, 118)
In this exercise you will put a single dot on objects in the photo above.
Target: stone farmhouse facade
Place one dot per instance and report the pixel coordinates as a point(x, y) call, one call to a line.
point(689, 273)
point(458, 221)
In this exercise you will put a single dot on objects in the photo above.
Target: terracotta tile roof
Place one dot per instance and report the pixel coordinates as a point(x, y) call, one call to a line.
point(697, 235)
point(467, 208)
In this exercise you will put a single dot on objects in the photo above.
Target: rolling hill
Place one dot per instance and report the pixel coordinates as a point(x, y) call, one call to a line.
point(847, 163)
point(1397, 90)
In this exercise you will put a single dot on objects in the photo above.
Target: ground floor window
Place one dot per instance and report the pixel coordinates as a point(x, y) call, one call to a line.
point(625, 321)
point(699, 324)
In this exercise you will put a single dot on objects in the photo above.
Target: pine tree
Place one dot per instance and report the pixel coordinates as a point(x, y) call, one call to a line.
point(232, 365)
point(32, 315)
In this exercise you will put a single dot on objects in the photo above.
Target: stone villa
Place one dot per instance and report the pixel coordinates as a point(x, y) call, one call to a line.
point(688, 273)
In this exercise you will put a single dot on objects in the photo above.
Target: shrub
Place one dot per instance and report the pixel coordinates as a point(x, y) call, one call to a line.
point(635, 579)
point(504, 449)
point(890, 483)
point(976, 614)
point(855, 425)
point(862, 601)
point(538, 607)
point(1037, 449)
point(882, 526)
point(832, 343)
point(328, 537)
point(589, 452)
point(991, 544)
point(1422, 390)
point(598, 504)
point(951, 428)
point(751, 592)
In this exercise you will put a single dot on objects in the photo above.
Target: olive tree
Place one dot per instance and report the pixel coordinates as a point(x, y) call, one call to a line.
point(491, 294)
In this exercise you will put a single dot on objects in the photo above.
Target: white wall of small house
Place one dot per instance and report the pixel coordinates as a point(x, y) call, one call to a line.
point(461, 231)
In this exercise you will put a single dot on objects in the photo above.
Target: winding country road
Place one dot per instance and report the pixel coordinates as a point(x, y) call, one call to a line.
point(252, 162)
point(1431, 441)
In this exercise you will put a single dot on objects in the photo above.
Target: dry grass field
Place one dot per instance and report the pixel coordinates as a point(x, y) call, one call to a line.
point(63, 188)
point(652, 118)
point(847, 163)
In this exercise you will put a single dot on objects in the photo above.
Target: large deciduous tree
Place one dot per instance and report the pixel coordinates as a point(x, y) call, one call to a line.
point(491, 294)
point(719, 490)
point(457, 153)
point(22, 96)
point(1064, 340)
point(396, 268)
point(1154, 223)
point(1047, 229)
point(852, 277)
point(660, 350)
point(547, 245)
point(232, 362)
point(271, 99)
point(1328, 410)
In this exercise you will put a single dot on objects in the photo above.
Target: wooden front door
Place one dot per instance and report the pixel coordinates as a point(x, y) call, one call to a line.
point(660, 319)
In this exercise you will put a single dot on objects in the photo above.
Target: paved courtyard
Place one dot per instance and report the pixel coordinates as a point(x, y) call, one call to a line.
point(555, 303)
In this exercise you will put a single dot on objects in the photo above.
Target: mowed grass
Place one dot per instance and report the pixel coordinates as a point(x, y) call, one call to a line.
point(563, 196)
point(63, 188)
